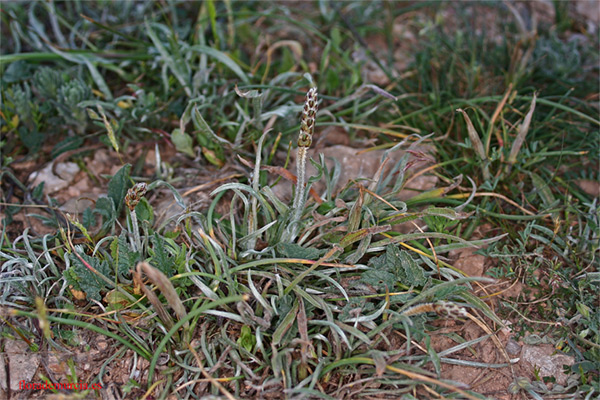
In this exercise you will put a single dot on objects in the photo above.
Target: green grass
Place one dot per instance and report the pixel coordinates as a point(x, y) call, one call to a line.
point(229, 299)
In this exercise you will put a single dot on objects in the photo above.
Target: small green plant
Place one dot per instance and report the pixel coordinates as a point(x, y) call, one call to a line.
point(307, 127)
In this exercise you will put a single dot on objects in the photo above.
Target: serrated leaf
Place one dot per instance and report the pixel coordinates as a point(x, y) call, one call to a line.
point(410, 274)
point(379, 278)
point(394, 266)
point(87, 218)
point(118, 186)
point(161, 258)
point(447, 292)
point(125, 258)
point(81, 278)
point(183, 142)
point(293, 250)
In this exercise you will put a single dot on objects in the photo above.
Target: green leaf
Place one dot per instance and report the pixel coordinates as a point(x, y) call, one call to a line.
point(394, 266)
point(356, 306)
point(87, 219)
point(144, 211)
point(293, 250)
point(31, 138)
point(212, 14)
point(125, 258)
point(379, 278)
point(82, 278)
point(106, 208)
point(360, 234)
point(183, 142)
point(81, 228)
point(118, 186)
point(69, 143)
point(247, 340)
point(435, 358)
point(285, 324)
point(223, 58)
point(410, 274)
point(448, 292)
point(109, 129)
point(176, 68)
point(38, 191)
point(204, 130)
point(161, 258)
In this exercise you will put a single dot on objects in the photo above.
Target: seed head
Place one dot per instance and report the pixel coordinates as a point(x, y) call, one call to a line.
point(307, 123)
point(448, 309)
point(135, 194)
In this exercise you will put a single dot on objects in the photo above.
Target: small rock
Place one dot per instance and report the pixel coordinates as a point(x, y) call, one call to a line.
point(55, 365)
point(547, 359)
point(512, 347)
point(22, 363)
point(589, 186)
point(361, 166)
point(65, 173)
point(78, 205)
point(471, 264)
point(101, 345)
point(589, 9)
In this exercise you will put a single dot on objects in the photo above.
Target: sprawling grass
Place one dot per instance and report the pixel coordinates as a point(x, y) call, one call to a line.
point(252, 296)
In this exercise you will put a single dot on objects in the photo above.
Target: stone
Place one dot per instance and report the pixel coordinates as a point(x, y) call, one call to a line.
point(589, 186)
point(360, 165)
point(22, 364)
point(547, 360)
point(101, 345)
point(469, 263)
point(54, 180)
point(512, 347)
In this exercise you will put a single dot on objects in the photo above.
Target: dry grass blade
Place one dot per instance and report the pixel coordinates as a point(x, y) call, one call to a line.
point(523, 129)
point(477, 145)
point(495, 116)
point(166, 287)
point(305, 344)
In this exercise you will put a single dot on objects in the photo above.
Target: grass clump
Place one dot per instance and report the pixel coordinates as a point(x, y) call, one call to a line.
point(243, 294)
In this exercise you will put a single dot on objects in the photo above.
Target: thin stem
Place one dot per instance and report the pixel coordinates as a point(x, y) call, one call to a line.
point(137, 242)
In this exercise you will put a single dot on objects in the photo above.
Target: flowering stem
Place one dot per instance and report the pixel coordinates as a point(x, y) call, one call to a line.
point(307, 126)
